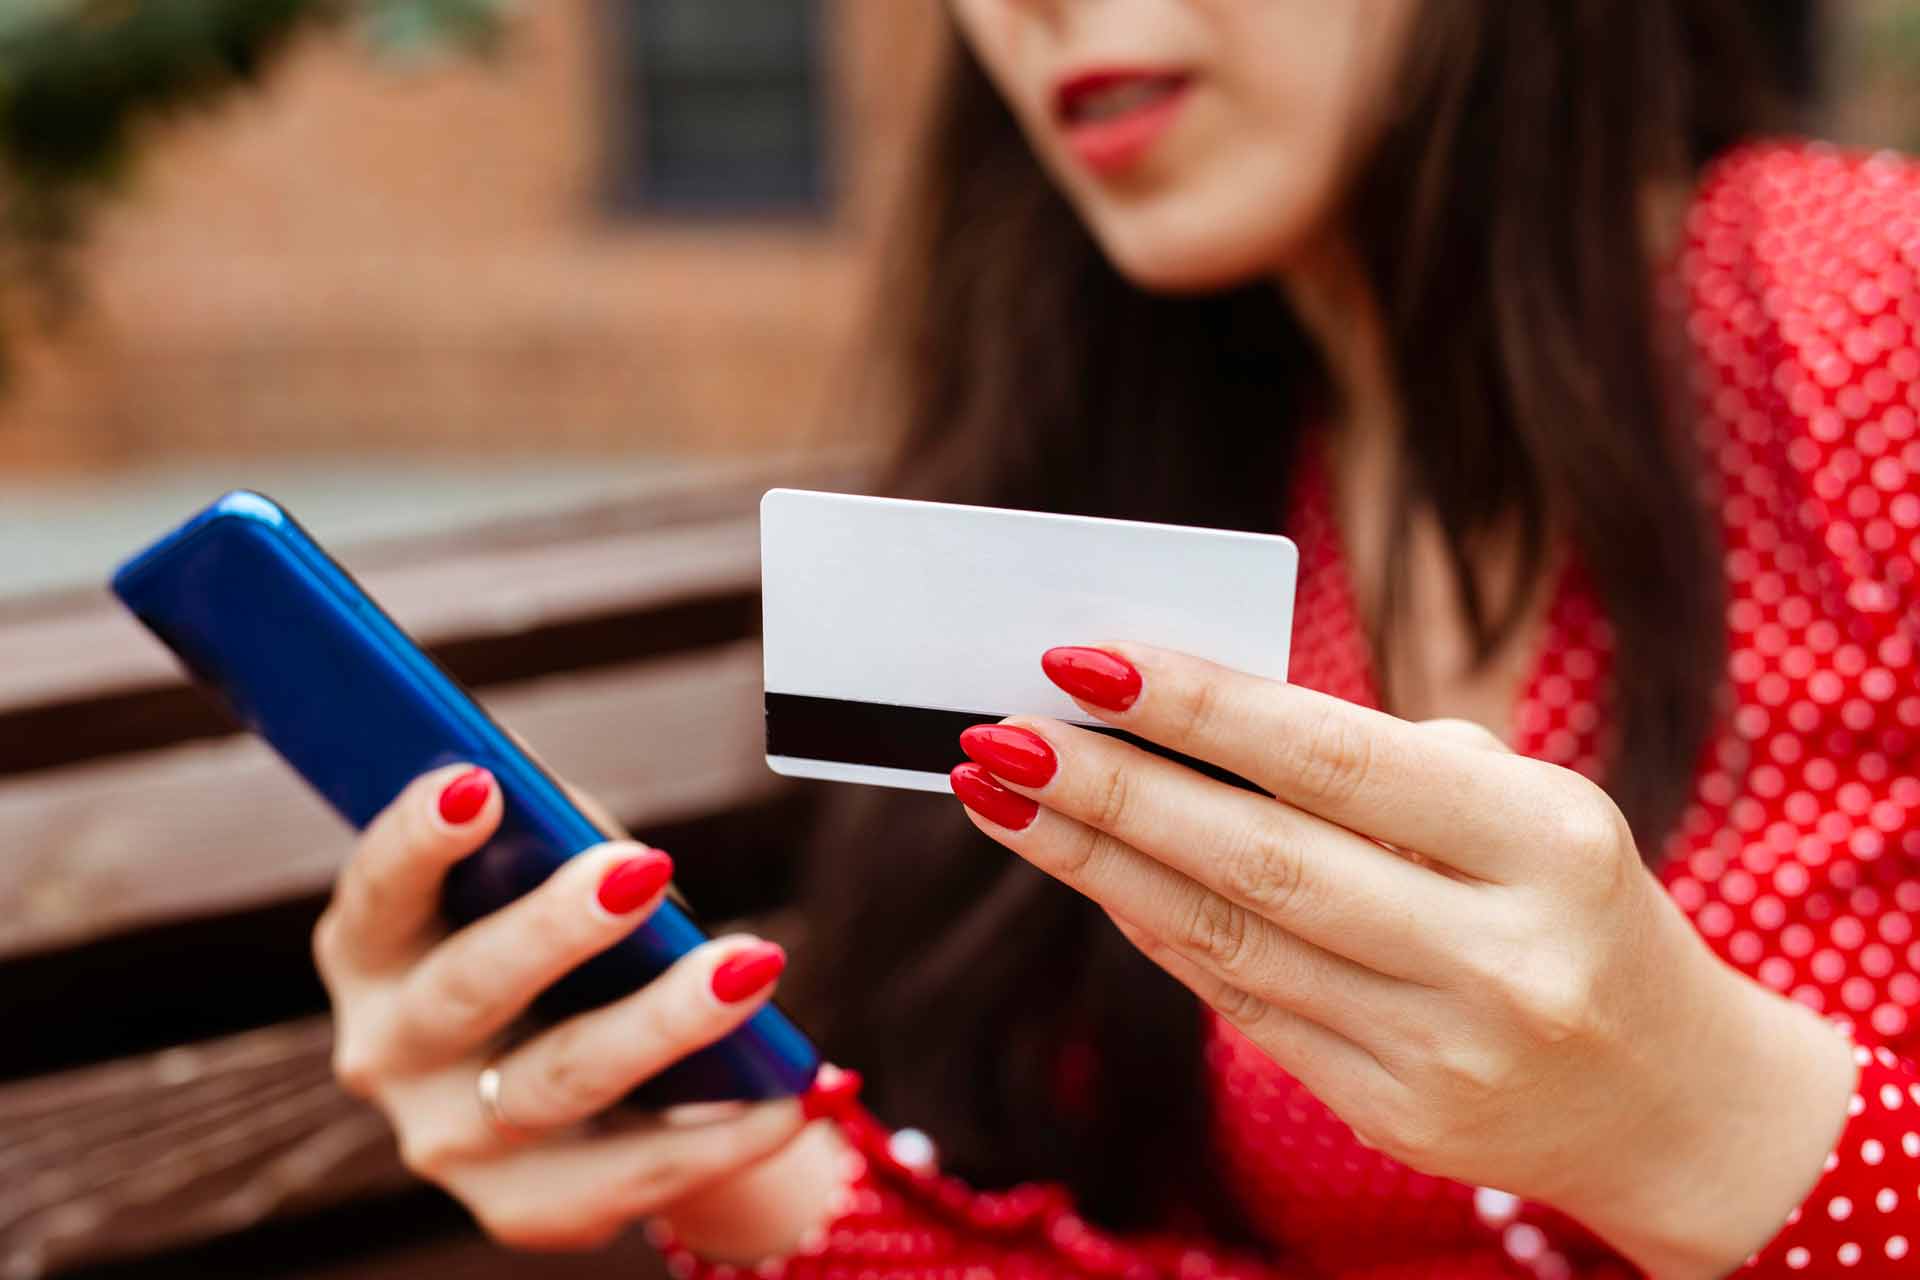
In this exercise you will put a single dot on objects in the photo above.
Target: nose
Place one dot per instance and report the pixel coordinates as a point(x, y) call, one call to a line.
point(1052, 16)
point(1050, 10)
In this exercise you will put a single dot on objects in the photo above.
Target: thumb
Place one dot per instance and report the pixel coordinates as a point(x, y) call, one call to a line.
point(1465, 733)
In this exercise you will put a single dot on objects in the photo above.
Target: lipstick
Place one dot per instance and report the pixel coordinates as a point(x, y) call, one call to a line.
point(1112, 117)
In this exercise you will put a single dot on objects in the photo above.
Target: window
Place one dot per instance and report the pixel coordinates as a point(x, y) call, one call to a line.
point(719, 106)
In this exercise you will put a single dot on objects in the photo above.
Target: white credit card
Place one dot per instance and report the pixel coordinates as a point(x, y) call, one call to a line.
point(890, 625)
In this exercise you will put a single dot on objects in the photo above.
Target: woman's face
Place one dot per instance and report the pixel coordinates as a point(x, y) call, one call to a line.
point(1203, 141)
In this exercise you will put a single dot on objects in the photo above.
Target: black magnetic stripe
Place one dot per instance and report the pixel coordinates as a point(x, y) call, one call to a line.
point(918, 738)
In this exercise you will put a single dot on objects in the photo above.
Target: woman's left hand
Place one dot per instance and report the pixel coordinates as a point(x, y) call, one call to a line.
point(1456, 948)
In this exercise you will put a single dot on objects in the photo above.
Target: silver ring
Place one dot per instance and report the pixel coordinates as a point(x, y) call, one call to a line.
point(488, 1089)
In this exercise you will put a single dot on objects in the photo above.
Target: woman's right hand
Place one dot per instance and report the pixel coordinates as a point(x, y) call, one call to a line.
point(419, 1015)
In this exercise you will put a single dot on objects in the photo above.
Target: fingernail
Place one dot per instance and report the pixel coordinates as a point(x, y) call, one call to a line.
point(1093, 675)
point(465, 797)
point(748, 972)
point(1018, 755)
point(833, 1093)
point(983, 794)
point(633, 882)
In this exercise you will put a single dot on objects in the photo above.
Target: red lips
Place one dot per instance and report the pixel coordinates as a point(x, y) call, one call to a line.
point(1113, 116)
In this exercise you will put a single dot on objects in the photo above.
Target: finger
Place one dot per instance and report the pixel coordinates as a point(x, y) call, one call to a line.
point(578, 1192)
point(389, 893)
point(1332, 1067)
point(591, 1061)
point(484, 976)
point(1225, 939)
point(1477, 811)
point(1313, 879)
point(1229, 939)
point(1465, 733)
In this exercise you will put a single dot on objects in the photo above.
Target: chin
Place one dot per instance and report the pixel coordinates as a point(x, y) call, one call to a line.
point(1163, 251)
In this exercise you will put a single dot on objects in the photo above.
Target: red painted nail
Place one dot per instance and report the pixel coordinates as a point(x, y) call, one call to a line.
point(1093, 675)
point(834, 1092)
point(633, 882)
point(1018, 755)
point(747, 972)
point(465, 797)
point(981, 792)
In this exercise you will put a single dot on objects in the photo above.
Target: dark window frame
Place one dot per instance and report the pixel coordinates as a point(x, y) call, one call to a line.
point(639, 182)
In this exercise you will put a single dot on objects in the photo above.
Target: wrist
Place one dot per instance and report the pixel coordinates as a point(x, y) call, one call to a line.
point(771, 1210)
point(1760, 1098)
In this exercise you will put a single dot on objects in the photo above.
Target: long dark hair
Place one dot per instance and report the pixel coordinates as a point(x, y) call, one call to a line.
point(1500, 216)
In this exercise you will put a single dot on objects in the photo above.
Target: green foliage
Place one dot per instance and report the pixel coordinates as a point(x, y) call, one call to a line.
point(1887, 60)
point(72, 85)
point(412, 29)
point(80, 78)
point(1894, 42)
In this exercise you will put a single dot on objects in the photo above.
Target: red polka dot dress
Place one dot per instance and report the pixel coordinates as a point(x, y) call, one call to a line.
point(1797, 858)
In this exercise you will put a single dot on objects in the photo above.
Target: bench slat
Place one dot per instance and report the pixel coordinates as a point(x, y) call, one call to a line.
point(618, 639)
point(100, 650)
point(211, 827)
point(198, 1141)
point(181, 1145)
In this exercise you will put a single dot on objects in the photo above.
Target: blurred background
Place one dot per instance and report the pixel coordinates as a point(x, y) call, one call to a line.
point(520, 304)
point(411, 245)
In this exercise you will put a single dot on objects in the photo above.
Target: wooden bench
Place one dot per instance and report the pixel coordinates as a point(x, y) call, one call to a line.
point(165, 1100)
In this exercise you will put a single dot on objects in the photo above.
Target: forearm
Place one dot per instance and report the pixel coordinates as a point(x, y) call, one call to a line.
point(1739, 1144)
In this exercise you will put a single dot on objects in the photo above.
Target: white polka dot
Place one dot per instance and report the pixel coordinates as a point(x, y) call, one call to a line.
point(1798, 1258)
point(1495, 1208)
point(912, 1148)
point(1872, 1152)
point(1886, 1199)
point(1848, 1253)
point(1896, 1247)
point(1839, 1208)
point(1890, 1097)
point(1524, 1242)
point(1552, 1266)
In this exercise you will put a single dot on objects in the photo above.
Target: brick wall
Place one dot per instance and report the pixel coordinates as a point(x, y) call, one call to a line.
point(361, 257)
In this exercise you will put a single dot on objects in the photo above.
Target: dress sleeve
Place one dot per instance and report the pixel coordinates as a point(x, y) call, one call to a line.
point(897, 1221)
point(1864, 1213)
point(1806, 277)
point(1805, 271)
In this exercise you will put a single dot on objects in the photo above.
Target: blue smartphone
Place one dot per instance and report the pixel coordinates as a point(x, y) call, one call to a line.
point(256, 609)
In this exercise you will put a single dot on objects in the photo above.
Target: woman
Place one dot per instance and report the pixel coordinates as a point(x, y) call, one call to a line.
point(1597, 438)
